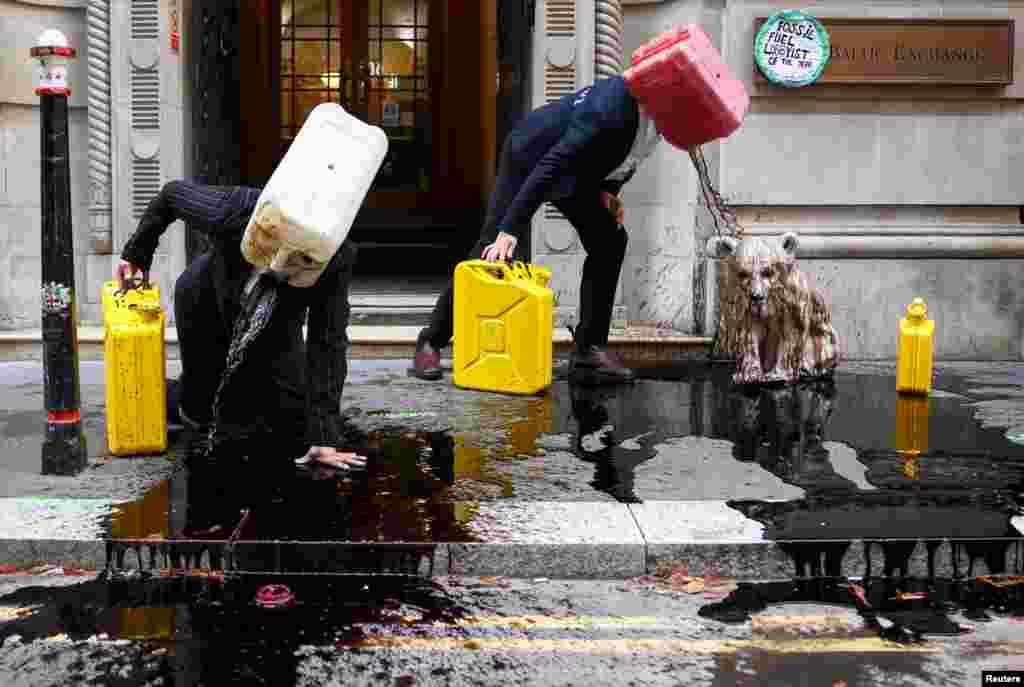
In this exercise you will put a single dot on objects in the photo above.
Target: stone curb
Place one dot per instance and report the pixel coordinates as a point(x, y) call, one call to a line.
point(529, 539)
point(386, 342)
point(740, 561)
point(750, 561)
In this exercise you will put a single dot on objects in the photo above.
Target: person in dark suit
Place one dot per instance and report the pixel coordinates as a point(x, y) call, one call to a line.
point(577, 153)
point(290, 390)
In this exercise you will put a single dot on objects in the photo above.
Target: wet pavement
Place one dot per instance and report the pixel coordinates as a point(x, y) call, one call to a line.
point(875, 540)
point(849, 476)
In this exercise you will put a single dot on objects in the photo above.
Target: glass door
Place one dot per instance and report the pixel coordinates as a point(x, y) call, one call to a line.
point(372, 58)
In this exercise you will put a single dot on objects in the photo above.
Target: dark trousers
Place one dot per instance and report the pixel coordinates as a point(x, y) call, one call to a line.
point(603, 239)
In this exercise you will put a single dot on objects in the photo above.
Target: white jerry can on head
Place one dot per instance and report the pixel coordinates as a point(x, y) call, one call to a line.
point(307, 208)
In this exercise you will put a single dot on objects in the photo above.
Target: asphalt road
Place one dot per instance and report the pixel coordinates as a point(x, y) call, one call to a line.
point(60, 630)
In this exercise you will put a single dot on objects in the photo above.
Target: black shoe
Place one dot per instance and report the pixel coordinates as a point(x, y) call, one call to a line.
point(595, 366)
point(427, 364)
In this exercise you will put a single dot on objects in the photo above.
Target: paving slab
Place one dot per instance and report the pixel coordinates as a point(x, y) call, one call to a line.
point(694, 522)
point(548, 539)
point(54, 518)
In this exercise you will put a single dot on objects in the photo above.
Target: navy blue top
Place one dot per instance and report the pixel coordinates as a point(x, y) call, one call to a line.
point(569, 145)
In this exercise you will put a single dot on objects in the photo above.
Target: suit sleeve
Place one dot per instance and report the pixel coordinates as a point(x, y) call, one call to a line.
point(557, 161)
point(211, 209)
point(326, 350)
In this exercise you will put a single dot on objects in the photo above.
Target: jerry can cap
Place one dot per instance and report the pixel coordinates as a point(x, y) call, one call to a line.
point(917, 309)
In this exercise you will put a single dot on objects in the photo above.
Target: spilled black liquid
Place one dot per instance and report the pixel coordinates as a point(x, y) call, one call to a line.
point(258, 308)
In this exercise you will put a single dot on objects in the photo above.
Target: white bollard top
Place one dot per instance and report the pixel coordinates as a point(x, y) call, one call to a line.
point(52, 38)
point(53, 52)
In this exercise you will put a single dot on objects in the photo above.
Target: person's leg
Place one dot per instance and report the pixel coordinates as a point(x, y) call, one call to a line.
point(604, 240)
point(437, 335)
point(203, 340)
point(439, 332)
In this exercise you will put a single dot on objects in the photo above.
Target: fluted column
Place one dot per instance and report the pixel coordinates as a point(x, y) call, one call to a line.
point(608, 38)
point(98, 23)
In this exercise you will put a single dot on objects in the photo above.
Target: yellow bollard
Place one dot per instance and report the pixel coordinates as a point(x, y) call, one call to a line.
point(914, 365)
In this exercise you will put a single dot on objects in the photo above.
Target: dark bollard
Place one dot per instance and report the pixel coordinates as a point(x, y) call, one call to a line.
point(64, 451)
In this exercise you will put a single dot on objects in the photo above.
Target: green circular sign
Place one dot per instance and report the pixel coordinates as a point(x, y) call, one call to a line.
point(792, 49)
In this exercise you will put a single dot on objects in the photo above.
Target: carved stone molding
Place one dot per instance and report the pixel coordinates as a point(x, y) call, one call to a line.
point(100, 211)
point(608, 38)
point(53, 3)
point(881, 242)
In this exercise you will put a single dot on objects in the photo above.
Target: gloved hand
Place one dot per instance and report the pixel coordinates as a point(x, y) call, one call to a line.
point(502, 249)
point(126, 274)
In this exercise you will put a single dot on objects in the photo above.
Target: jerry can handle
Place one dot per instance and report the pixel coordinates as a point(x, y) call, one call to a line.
point(658, 44)
point(496, 270)
point(522, 270)
point(129, 284)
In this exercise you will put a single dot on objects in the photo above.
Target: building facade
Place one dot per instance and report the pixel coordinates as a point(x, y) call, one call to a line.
point(896, 191)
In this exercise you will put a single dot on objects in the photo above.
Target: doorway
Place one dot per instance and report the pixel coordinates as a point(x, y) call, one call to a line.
point(374, 59)
point(442, 78)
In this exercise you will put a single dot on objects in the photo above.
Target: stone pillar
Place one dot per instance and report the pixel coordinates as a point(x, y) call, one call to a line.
point(100, 211)
point(608, 38)
point(608, 30)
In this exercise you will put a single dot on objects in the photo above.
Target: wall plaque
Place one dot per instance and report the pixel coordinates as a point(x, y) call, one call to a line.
point(915, 51)
point(791, 49)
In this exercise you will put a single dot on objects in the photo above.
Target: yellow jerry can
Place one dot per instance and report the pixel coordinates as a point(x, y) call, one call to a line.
point(133, 351)
point(503, 327)
point(914, 365)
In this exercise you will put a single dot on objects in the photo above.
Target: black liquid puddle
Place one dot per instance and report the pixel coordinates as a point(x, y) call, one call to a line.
point(898, 609)
point(233, 507)
point(212, 631)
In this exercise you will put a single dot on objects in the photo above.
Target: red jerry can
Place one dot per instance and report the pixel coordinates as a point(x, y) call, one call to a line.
point(683, 84)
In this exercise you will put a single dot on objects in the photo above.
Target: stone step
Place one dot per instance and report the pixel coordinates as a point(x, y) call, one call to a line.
point(637, 342)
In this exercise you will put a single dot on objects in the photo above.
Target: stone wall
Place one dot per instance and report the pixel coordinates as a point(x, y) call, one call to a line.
point(20, 201)
point(895, 193)
point(105, 193)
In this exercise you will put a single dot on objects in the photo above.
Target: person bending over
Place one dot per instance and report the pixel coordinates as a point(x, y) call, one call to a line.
point(577, 153)
point(286, 390)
